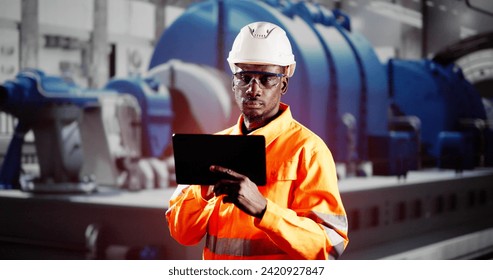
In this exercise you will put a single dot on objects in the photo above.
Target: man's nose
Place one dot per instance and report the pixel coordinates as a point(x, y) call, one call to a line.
point(254, 86)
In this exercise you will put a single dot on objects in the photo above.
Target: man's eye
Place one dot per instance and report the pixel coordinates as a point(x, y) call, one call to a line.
point(246, 79)
point(268, 79)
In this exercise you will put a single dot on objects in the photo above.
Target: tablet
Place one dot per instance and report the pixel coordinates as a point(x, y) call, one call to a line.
point(195, 153)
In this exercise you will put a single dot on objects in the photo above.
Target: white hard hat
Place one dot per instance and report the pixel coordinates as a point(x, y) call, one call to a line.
point(262, 43)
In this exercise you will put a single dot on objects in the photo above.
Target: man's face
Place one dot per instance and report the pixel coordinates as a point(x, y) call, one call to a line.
point(257, 94)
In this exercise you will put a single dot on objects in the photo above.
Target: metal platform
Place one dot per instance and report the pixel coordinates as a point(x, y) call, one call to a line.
point(392, 218)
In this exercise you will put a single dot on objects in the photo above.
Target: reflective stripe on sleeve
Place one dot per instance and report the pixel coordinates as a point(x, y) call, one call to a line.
point(333, 225)
point(241, 247)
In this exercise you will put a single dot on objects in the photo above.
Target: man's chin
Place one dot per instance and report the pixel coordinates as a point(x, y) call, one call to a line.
point(252, 115)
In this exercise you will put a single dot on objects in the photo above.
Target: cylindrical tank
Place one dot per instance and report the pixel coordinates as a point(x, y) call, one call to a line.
point(339, 89)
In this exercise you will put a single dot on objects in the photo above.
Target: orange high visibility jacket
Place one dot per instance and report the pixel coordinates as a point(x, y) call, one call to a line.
point(304, 219)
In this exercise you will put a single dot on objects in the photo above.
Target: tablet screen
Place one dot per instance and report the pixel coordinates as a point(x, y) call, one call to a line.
point(195, 153)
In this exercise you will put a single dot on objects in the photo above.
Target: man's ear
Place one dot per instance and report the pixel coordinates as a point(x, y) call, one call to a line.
point(284, 86)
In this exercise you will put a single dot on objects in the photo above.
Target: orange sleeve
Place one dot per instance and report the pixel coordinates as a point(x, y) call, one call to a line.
point(188, 215)
point(315, 225)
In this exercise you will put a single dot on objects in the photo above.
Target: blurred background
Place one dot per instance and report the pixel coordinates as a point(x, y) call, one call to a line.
point(91, 92)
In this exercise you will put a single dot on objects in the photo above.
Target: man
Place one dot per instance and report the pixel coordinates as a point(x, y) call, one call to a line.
point(299, 213)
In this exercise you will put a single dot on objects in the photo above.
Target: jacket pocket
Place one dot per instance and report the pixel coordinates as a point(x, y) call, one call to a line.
point(283, 171)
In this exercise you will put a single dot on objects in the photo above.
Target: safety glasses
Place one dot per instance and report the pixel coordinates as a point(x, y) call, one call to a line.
point(265, 80)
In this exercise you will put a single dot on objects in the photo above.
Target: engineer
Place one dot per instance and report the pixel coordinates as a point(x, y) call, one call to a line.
point(299, 213)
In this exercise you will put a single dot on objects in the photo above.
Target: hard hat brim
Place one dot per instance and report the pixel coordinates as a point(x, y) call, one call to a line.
point(289, 67)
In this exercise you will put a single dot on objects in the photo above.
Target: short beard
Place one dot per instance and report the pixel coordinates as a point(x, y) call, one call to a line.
point(254, 118)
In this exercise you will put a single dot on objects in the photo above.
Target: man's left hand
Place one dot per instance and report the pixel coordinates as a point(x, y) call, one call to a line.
point(241, 191)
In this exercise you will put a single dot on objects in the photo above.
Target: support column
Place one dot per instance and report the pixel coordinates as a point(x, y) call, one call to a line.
point(29, 34)
point(99, 48)
point(160, 19)
point(424, 29)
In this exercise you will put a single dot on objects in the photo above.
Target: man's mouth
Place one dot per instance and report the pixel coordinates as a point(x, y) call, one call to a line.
point(252, 103)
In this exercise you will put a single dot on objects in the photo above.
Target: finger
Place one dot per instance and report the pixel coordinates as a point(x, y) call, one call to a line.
point(224, 170)
point(219, 190)
point(225, 187)
point(229, 199)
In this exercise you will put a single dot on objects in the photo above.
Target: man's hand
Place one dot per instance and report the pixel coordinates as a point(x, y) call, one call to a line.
point(239, 190)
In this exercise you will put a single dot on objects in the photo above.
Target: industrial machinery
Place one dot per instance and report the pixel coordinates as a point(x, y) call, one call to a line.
point(453, 119)
point(365, 110)
point(85, 138)
point(380, 118)
point(201, 97)
point(369, 113)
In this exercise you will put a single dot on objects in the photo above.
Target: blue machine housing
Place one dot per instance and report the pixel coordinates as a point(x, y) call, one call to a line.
point(157, 115)
point(43, 103)
point(32, 89)
point(364, 95)
point(33, 97)
point(445, 102)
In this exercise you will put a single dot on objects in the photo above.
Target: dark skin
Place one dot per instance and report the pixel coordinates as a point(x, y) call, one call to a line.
point(259, 106)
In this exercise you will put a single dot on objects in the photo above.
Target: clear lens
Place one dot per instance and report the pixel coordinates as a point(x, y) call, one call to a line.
point(266, 80)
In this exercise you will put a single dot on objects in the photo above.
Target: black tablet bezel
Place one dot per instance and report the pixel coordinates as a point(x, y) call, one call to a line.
point(195, 153)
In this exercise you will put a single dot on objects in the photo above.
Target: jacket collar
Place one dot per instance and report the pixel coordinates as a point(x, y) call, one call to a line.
point(273, 129)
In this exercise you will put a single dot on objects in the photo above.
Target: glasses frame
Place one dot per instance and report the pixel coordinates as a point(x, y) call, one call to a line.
point(279, 75)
